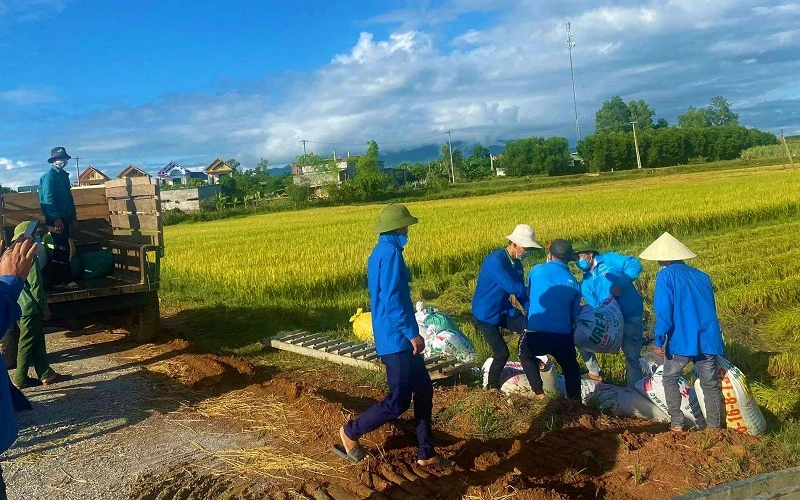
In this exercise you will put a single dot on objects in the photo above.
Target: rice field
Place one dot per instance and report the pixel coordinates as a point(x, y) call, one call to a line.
point(252, 277)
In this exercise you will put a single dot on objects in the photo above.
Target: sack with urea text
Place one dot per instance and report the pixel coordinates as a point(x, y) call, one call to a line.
point(600, 329)
point(362, 325)
point(652, 387)
point(739, 406)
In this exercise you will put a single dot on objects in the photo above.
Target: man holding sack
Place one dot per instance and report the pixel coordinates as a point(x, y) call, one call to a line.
point(612, 275)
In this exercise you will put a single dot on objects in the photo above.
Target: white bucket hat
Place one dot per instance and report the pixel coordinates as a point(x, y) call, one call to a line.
point(524, 236)
point(666, 249)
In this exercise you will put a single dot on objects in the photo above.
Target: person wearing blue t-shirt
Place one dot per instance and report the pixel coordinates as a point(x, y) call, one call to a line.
point(15, 264)
point(398, 344)
point(686, 329)
point(500, 277)
point(554, 300)
point(607, 275)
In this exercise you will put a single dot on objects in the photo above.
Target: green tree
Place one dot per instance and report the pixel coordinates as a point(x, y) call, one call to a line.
point(234, 164)
point(662, 123)
point(613, 116)
point(262, 167)
point(719, 113)
point(372, 149)
point(642, 114)
point(478, 165)
point(693, 118)
point(458, 162)
point(298, 194)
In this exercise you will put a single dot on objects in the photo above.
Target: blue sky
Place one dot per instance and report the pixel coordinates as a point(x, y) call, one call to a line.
point(149, 82)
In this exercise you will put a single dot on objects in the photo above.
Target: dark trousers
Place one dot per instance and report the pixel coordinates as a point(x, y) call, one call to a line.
point(3, 495)
point(561, 347)
point(407, 378)
point(31, 350)
point(500, 354)
point(60, 270)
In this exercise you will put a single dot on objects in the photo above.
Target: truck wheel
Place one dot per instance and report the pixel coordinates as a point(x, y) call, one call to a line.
point(146, 321)
point(8, 347)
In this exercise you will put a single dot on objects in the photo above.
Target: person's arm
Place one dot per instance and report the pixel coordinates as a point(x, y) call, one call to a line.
point(589, 295)
point(663, 309)
point(396, 296)
point(37, 289)
point(627, 269)
point(507, 280)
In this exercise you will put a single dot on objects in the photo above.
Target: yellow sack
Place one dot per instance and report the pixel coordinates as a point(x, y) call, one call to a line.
point(362, 325)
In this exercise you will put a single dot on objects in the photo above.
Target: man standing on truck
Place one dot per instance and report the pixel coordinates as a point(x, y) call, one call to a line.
point(32, 350)
point(60, 216)
point(397, 342)
point(687, 328)
point(15, 264)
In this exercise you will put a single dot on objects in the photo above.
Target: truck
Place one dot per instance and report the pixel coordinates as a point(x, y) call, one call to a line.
point(123, 215)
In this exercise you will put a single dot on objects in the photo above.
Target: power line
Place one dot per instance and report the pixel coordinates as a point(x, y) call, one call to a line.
point(571, 46)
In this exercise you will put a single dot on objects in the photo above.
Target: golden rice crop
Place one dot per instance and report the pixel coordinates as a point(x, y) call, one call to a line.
point(317, 257)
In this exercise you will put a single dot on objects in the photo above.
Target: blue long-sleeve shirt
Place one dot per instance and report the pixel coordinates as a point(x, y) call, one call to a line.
point(393, 321)
point(555, 298)
point(686, 314)
point(10, 288)
point(55, 196)
point(499, 278)
point(613, 269)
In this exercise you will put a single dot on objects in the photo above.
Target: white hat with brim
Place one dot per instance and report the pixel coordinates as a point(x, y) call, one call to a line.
point(667, 249)
point(524, 236)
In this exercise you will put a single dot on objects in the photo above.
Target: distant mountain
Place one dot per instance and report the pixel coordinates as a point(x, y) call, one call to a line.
point(416, 155)
point(432, 152)
point(281, 170)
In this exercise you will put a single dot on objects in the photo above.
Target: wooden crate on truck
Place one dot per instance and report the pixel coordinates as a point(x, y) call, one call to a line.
point(123, 216)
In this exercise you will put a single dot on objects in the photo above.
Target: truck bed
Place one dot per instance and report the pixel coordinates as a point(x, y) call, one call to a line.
point(101, 287)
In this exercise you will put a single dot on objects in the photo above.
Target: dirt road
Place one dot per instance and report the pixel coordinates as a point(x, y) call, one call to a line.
point(166, 421)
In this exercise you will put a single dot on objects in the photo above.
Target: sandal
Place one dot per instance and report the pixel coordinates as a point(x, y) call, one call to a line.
point(354, 456)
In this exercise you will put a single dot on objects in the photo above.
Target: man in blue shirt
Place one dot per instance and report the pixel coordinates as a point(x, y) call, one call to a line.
point(612, 275)
point(554, 300)
point(500, 277)
point(58, 207)
point(397, 342)
point(15, 265)
point(687, 328)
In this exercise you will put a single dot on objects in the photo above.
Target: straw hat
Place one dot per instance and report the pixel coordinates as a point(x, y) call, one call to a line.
point(524, 236)
point(667, 248)
point(393, 216)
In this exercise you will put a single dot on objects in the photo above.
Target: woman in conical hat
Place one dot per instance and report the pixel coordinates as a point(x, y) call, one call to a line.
point(686, 329)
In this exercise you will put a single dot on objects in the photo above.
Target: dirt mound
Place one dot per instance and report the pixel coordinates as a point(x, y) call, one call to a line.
point(178, 360)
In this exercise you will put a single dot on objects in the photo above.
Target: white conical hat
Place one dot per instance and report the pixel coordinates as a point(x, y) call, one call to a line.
point(667, 248)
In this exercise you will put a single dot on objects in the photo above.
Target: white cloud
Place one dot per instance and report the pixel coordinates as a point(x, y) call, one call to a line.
point(509, 79)
point(6, 164)
point(24, 96)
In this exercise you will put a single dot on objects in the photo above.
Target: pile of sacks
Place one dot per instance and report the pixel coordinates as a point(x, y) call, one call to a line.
point(648, 402)
point(442, 336)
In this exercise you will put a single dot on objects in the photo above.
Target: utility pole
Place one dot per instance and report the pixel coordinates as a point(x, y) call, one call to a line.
point(636, 145)
point(571, 46)
point(452, 167)
point(491, 161)
point(304, 150)
point(786, 147)
point(78, 170)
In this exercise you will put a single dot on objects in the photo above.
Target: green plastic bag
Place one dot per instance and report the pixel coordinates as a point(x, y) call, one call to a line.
point(440, 320)
point(96, 264)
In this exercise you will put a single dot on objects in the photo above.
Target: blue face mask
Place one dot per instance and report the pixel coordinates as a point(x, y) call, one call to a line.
point(403, 239)
point(584, 265)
